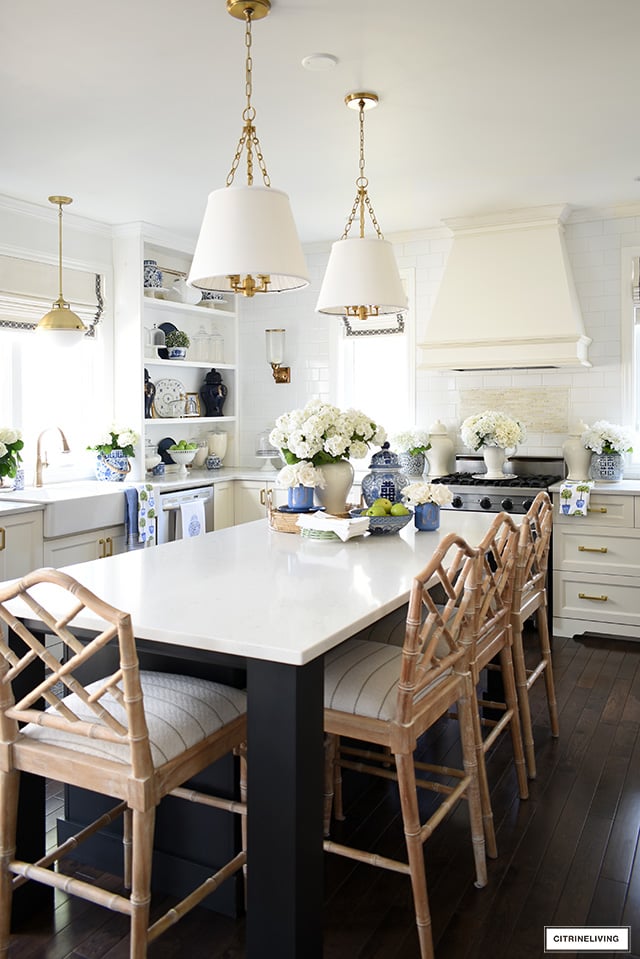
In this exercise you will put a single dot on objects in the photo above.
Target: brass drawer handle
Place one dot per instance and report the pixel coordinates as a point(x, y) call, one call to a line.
point(3, 538)
point(592, 549)
point(597, 599)
point(596, 509)
point(101, 551)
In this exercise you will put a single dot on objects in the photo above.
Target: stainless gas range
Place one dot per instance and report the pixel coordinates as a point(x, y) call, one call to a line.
point(515, 493)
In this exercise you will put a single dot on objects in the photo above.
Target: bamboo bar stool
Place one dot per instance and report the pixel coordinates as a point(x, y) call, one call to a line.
point(387, 696)
point(530, 599)
point(493, 638)
point(135, 736)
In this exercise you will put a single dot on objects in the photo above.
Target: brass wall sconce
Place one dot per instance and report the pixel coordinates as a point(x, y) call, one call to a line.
point(275, 355)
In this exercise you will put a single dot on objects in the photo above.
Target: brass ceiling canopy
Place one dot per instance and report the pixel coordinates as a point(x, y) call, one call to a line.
point(369, 101)
point(256, 9)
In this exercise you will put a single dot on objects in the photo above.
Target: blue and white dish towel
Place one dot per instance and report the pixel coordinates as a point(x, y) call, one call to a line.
point(140, 516)
point(574, 497)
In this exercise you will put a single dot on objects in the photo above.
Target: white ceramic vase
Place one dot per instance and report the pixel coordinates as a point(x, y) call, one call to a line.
point(577, 458)
point(338, 478)
point(494, 459)
point(440, 457)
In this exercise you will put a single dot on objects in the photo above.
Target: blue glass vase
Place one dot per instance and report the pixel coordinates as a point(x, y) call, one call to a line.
point(300, 497)
point(426, 516)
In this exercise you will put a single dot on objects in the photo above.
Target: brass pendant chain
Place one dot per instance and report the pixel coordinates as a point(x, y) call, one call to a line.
point(249, 138)
point(362, 197)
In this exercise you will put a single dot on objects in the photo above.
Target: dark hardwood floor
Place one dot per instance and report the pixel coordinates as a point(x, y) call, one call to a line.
point(569, 855)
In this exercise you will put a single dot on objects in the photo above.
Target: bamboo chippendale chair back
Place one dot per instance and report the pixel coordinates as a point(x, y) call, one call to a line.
point(530, 599)
point(97, 736)
point(492, 650)
point(128, 729)
point(412, 688)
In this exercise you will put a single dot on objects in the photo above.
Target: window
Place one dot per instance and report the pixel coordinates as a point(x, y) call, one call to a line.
point(376, 373)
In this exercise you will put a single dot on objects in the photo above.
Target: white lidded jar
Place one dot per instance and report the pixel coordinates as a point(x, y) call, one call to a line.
point(577, 458)
point(440, 456)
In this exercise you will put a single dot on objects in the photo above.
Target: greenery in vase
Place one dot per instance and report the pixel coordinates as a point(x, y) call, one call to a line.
point(177, 338)
point(10, 446)
point(117, 438)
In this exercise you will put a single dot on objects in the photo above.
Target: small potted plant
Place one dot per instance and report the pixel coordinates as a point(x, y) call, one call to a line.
point(177, 343)
point(411, 445)
point(608, 444)
point(114, 449)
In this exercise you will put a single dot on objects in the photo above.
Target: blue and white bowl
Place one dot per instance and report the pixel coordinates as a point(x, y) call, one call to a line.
point(384, 525)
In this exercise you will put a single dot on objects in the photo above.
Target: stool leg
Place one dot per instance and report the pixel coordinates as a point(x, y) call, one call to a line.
point(9, 783)
point(143, 823)
point(522, 687)
point(415, 851)
point(545, 647)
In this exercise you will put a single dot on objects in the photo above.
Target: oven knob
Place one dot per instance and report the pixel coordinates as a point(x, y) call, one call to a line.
point(456, 502)
point(526, 505)
point(485, 502)
point(507, 504)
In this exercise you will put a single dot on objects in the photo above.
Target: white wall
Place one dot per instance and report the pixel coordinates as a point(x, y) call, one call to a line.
point(594, 246)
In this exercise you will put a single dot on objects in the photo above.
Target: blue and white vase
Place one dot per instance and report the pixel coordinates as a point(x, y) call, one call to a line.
point(152, 275)
point(112, 466)
point(412, 463)
point(386, 479)
point(607, 467)
point(300, 497)
point(426, 516)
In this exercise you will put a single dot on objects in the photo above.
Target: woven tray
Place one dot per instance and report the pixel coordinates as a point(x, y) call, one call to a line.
point(283, 522)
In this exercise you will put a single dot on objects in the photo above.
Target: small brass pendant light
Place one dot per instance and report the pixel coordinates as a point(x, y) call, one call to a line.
point(60, 317)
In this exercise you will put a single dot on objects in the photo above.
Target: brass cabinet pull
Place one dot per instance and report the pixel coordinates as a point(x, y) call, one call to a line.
point(109, 549)
point(596, 509)
point(263, 500)
point(3, 538)
point(597, 599)
point(593, 549)
point(101, 552)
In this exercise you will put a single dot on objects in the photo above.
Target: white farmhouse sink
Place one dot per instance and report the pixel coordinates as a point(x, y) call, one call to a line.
point(75, 506)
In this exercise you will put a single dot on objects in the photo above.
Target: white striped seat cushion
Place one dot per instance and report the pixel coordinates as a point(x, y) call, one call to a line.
point(361, 677)
point(180, 710)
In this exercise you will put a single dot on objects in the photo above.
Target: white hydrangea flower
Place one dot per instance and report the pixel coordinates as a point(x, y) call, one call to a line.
point(322, 433)
point(415, 494)
point(604, 437)
point(492, 428)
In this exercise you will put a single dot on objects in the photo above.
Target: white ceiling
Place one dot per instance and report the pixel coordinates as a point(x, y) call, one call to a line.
point(134, 107)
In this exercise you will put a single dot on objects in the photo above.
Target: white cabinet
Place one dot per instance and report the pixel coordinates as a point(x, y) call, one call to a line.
point(135, 316)
point(250, 499)
point(596, 568)
point(20, 543)
point(81, 547)
point(223, 505)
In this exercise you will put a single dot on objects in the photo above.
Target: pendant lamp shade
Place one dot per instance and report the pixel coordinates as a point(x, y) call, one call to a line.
point(61, 321)
point(362, 271)
point(248, 231)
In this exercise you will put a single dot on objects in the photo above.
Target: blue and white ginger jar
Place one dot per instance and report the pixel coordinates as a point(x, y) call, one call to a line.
point(386, 479)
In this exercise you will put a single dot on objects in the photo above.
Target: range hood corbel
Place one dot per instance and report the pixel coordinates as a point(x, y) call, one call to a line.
point(507, 298)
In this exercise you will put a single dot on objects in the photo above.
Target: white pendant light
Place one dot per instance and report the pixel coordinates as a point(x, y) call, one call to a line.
point(61, 319)
point(248, 241)
point(362, 278)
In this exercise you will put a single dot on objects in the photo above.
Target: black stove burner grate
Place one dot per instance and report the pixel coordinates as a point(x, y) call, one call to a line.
point(535, 481)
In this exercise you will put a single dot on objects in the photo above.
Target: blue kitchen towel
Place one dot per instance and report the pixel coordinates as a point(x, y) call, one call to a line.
point(574, 498)
point(140, 516)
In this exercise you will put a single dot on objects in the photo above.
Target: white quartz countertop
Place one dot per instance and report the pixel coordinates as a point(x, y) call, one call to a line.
point(7, 507)
point(251, 591)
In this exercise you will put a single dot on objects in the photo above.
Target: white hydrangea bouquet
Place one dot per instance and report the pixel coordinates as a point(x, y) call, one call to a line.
point(415, 494)
point(492, 428)
point(410, 441)
point(303, 473)
point(117, 438)
point(605, 437)
point(10, 456)
point(321, 433)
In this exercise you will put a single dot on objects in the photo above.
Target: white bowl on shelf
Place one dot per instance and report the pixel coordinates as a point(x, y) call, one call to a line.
point(182, 457)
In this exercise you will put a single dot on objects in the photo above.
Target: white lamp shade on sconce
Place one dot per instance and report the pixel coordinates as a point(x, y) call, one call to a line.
point(248, 231)
point(362, 271)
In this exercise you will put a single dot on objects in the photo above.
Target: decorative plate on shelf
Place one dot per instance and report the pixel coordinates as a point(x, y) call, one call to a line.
point(163, 446)
point(168, 393)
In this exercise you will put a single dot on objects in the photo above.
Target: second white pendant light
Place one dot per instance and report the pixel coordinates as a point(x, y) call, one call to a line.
point(362, 278)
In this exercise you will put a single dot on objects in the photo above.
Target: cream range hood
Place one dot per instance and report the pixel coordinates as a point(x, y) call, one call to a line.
point(507, 298)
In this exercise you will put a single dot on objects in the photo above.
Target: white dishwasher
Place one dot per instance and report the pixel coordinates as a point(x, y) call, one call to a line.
point(169, 514)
